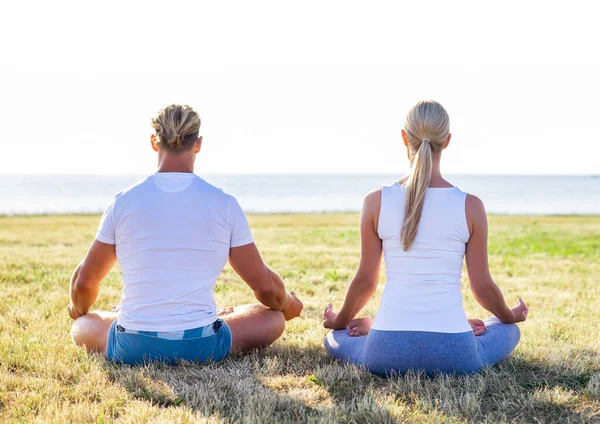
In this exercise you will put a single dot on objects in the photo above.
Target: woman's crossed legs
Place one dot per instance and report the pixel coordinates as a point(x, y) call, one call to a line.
point(383, 352)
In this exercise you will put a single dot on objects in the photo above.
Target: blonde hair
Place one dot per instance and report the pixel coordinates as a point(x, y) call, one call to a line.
point(427, 128)
point(177, 127)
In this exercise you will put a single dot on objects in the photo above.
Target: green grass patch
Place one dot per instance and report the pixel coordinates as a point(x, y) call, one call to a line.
point(553, 376)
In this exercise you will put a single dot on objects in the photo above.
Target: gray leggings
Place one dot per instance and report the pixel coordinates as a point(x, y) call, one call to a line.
point(383, 352)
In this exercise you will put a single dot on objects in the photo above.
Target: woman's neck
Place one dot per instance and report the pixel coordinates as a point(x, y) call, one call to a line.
point(436, 180)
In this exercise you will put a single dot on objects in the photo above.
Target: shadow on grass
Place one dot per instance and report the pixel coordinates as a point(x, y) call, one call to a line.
point(274, 385)
point(287, 384)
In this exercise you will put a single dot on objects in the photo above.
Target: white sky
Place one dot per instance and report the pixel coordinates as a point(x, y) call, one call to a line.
point(303, 87)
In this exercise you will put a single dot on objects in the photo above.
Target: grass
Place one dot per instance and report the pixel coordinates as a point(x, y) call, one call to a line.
point(553, 376)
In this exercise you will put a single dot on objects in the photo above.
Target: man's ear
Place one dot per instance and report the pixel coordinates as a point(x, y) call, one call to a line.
point(198, 145)
point(448, 141)
point(405, 138)
point(153, 142)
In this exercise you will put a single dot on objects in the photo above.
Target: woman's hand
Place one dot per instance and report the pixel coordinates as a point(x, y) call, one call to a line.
point(520, 311)
point(478, 326)
point(330, 318)
point(360, 327)
point(293, 307)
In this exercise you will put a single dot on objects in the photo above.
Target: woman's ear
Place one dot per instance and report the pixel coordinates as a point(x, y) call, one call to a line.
point(405, 138)
point(448, 141)
point(198, 145)
point(153, 142)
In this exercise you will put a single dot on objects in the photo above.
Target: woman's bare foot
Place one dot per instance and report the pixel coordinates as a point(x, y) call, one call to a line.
point(360, 327)
point(224, 311)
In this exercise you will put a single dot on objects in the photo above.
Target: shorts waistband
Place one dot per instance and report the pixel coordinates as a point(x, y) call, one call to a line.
point(194, 333)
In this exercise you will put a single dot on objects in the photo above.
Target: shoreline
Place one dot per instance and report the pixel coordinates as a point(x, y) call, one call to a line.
point(99, 214)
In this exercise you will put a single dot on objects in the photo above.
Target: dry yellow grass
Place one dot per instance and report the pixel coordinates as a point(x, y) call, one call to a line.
point(552, 262)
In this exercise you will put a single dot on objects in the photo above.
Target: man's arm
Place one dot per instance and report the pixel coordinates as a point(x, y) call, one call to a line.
point(87, 276)
point(267, 286)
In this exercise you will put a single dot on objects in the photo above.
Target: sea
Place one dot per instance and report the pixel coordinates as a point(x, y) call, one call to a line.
point(502, 195)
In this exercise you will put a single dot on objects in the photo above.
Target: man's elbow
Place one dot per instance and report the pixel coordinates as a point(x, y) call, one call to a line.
point(83, 283)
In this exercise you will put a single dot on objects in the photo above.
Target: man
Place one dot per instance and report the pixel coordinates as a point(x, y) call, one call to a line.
point(172, 234)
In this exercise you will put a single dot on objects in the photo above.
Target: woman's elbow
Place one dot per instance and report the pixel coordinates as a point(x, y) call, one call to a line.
point(367, 284)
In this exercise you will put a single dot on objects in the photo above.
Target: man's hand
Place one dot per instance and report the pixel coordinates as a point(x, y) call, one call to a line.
point(73, 312)
point(293, 307)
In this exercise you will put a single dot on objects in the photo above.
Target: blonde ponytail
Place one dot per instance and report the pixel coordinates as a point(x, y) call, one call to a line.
point(177, 127)
point(427, 127)
point(416, 186)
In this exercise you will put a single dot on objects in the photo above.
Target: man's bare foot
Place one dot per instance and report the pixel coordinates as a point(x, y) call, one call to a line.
point(360, 327)
point(224, 311)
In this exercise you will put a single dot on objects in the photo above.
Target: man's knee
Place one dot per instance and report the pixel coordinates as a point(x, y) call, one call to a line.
point(91, 329)
point(272, 324)
point(79, 329)
point(279, 323)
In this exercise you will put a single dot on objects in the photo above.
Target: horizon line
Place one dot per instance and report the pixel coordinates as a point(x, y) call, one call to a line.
point(298, 174)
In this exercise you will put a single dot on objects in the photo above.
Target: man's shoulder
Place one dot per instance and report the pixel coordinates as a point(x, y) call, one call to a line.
point(203, 186)
point(136, 187)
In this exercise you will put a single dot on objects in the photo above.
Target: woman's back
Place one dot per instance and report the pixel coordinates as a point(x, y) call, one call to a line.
point(422, 291)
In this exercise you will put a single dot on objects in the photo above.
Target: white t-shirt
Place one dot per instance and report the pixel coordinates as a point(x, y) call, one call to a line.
point(173, 232)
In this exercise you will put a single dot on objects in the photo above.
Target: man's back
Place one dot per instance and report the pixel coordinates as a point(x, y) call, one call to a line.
point(173, 232)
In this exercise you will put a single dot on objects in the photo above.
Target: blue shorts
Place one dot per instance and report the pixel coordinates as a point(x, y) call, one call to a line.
point(208, 343)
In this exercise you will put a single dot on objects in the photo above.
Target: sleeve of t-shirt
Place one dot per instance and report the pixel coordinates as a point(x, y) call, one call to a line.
point(106, 229)
point(240, 230)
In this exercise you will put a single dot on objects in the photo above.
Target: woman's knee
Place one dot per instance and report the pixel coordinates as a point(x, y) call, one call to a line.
point(327, 342)
point(514, 333)
point(342, 346)
point(511, 332)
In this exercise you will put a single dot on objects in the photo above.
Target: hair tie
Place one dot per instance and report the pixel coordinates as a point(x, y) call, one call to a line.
point(426, 140)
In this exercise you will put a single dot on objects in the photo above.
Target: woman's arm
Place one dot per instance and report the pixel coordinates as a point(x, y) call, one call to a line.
point(486, 292)
point(365, 282)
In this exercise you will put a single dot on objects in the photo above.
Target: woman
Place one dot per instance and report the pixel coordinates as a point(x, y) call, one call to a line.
point(172, 234)
point(424, 226)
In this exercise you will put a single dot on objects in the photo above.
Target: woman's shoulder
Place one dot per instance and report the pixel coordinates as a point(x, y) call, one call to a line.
point(473, 203)
point(475, 212)
point(373, 198)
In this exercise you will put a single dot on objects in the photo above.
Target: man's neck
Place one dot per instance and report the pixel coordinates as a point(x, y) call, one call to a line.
point(175, 163)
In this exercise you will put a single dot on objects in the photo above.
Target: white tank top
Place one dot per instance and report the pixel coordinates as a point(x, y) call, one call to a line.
point(422, 291)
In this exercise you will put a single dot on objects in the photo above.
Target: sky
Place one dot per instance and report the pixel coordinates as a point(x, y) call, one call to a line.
point(299, 87)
